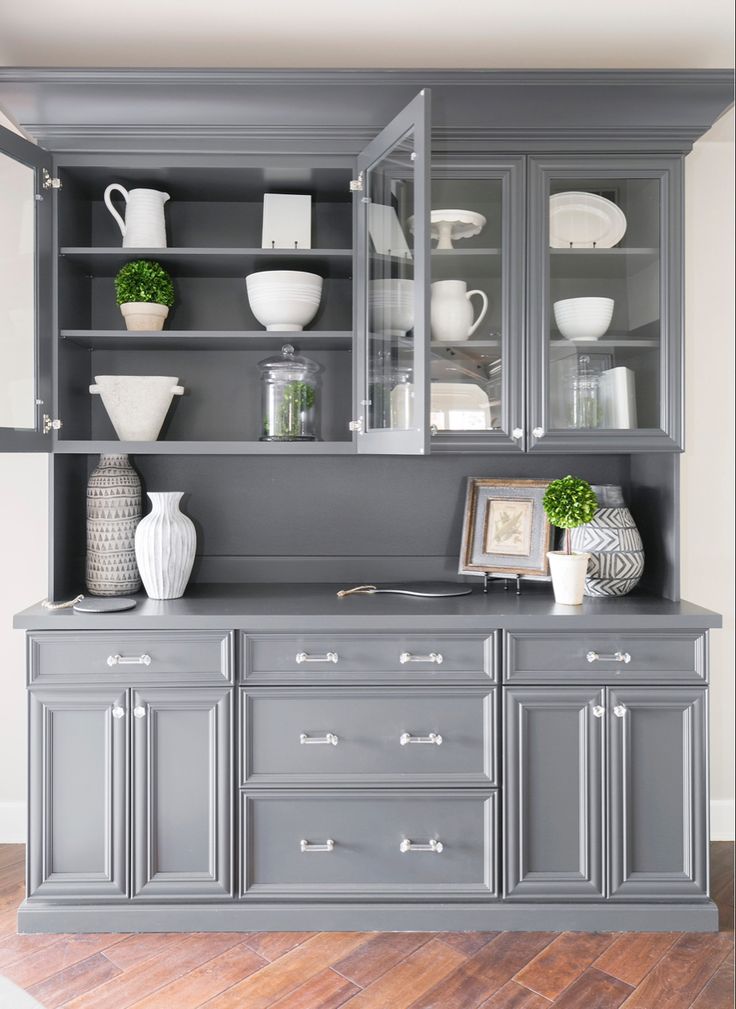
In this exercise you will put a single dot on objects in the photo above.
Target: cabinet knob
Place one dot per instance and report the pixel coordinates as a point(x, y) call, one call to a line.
point(118, 712)
point(538, 432)
point(139, 711)
point(619, 710)
point(518, 433)
point(598, 710)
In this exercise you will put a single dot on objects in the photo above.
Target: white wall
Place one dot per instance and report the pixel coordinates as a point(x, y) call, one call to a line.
point(708, 464)
point(707, 490)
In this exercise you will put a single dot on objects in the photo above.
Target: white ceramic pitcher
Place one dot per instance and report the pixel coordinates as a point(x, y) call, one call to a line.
point(452, 312)
point(144, 226)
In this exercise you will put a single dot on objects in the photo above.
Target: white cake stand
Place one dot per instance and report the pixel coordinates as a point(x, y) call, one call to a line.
point(450, 225)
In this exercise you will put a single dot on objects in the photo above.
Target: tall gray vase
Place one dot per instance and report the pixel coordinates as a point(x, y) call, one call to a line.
point(614, 544)
point(113, 513)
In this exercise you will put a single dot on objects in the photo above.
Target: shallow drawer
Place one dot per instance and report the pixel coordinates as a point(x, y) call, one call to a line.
point(341, 658)
point(416, 735)
point(359, 843)
point(592, 656)
point(130, 656)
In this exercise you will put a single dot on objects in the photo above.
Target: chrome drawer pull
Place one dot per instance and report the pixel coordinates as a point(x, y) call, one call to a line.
point(433, 737)
point(616, 657)
point(305, 846)
point(619, 710)
point(306, 657)
point(435, 657)
point(330, 739)
point(434, 846)
point(118, 712)
point(129, 660)
point(598, 710)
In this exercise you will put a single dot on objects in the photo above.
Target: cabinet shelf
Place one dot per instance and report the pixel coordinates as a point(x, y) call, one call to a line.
point(601, 264)
point(73, 447)
point(611, 343)
point(113, 339)
point(212, 262)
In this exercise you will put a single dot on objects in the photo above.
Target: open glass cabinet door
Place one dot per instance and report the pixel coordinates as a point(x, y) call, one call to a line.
point(392, 289)
point(26, 188)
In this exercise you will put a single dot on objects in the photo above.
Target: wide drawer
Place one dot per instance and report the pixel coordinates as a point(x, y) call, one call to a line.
point(329, 845)
point(341, 658)
point(328, 736)
point(595, 657)
point(130, 656)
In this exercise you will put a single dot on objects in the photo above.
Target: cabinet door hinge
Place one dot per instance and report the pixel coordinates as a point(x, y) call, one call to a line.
point(356, 185)
point(50, 181)
point(49, 425)
point(356, 425)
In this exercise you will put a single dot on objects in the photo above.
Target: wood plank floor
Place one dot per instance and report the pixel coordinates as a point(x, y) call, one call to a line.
point(373, 970)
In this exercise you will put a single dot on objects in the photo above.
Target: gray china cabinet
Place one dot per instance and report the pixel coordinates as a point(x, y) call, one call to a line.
point(260, 754)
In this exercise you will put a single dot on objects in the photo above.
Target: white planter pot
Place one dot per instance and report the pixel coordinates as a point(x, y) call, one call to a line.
point(144, 315)
point(568, 576)
point(136, 404)
point(165, 544)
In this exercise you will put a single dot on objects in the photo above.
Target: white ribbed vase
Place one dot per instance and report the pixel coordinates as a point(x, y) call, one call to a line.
point(165, 544)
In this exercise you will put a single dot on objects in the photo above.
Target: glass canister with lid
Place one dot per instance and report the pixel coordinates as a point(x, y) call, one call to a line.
point(290, 390)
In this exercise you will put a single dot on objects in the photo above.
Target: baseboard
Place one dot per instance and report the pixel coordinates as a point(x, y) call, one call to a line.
point(722, 816)
point(12, 823)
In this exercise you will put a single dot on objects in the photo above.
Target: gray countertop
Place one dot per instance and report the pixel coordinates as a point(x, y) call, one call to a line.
point(314, 607)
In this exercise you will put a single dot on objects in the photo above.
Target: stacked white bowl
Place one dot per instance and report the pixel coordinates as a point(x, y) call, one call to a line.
point(583, 318)
point(284, 300)
point(391, 304)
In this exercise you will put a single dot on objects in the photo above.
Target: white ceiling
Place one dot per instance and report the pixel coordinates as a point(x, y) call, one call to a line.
point(382, 33)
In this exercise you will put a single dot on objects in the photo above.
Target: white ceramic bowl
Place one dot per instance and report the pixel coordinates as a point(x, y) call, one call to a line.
point(391, 305)
point(583, 318)
point(285, 300)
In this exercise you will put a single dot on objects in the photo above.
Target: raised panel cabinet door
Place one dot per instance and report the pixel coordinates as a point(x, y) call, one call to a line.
point(658, 819)
point(182, 800)
point(553, 795)
point(77, 843)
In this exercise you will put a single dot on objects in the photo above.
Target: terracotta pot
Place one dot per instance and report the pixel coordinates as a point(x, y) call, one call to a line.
point(144, 315)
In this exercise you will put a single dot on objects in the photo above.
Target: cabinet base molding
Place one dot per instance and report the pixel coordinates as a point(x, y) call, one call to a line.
point(36, 917)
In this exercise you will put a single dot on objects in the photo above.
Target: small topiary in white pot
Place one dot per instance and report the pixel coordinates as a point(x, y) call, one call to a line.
point(145, 293)
point(569, 503)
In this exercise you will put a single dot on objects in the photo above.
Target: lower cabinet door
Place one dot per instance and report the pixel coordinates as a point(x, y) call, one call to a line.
point(658, 795)
point(553, 799)
point(77, 846)
point(372, 844)
point(182, 797)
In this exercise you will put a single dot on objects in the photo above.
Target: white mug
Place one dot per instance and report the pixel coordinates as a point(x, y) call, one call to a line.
point(452, 313)
point(144, 226)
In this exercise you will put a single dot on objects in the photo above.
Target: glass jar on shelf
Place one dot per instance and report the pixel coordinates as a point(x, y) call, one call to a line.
point(586, 407)
point(290, 389)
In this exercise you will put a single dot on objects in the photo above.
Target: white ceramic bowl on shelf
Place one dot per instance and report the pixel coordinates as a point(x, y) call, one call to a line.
point(583, 319)
point(284, 300)
point(391, 305)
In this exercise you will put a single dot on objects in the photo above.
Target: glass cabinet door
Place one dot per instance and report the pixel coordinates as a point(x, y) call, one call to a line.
point(604, 304)
point(25, 294)
point(392, 290)
point(476, 317)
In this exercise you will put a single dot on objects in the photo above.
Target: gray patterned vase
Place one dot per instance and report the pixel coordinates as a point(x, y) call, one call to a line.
point(614, 544)
point(113, 512)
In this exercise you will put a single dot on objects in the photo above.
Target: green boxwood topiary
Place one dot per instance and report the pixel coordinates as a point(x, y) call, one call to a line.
point(569, 502)
point(144, 280)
